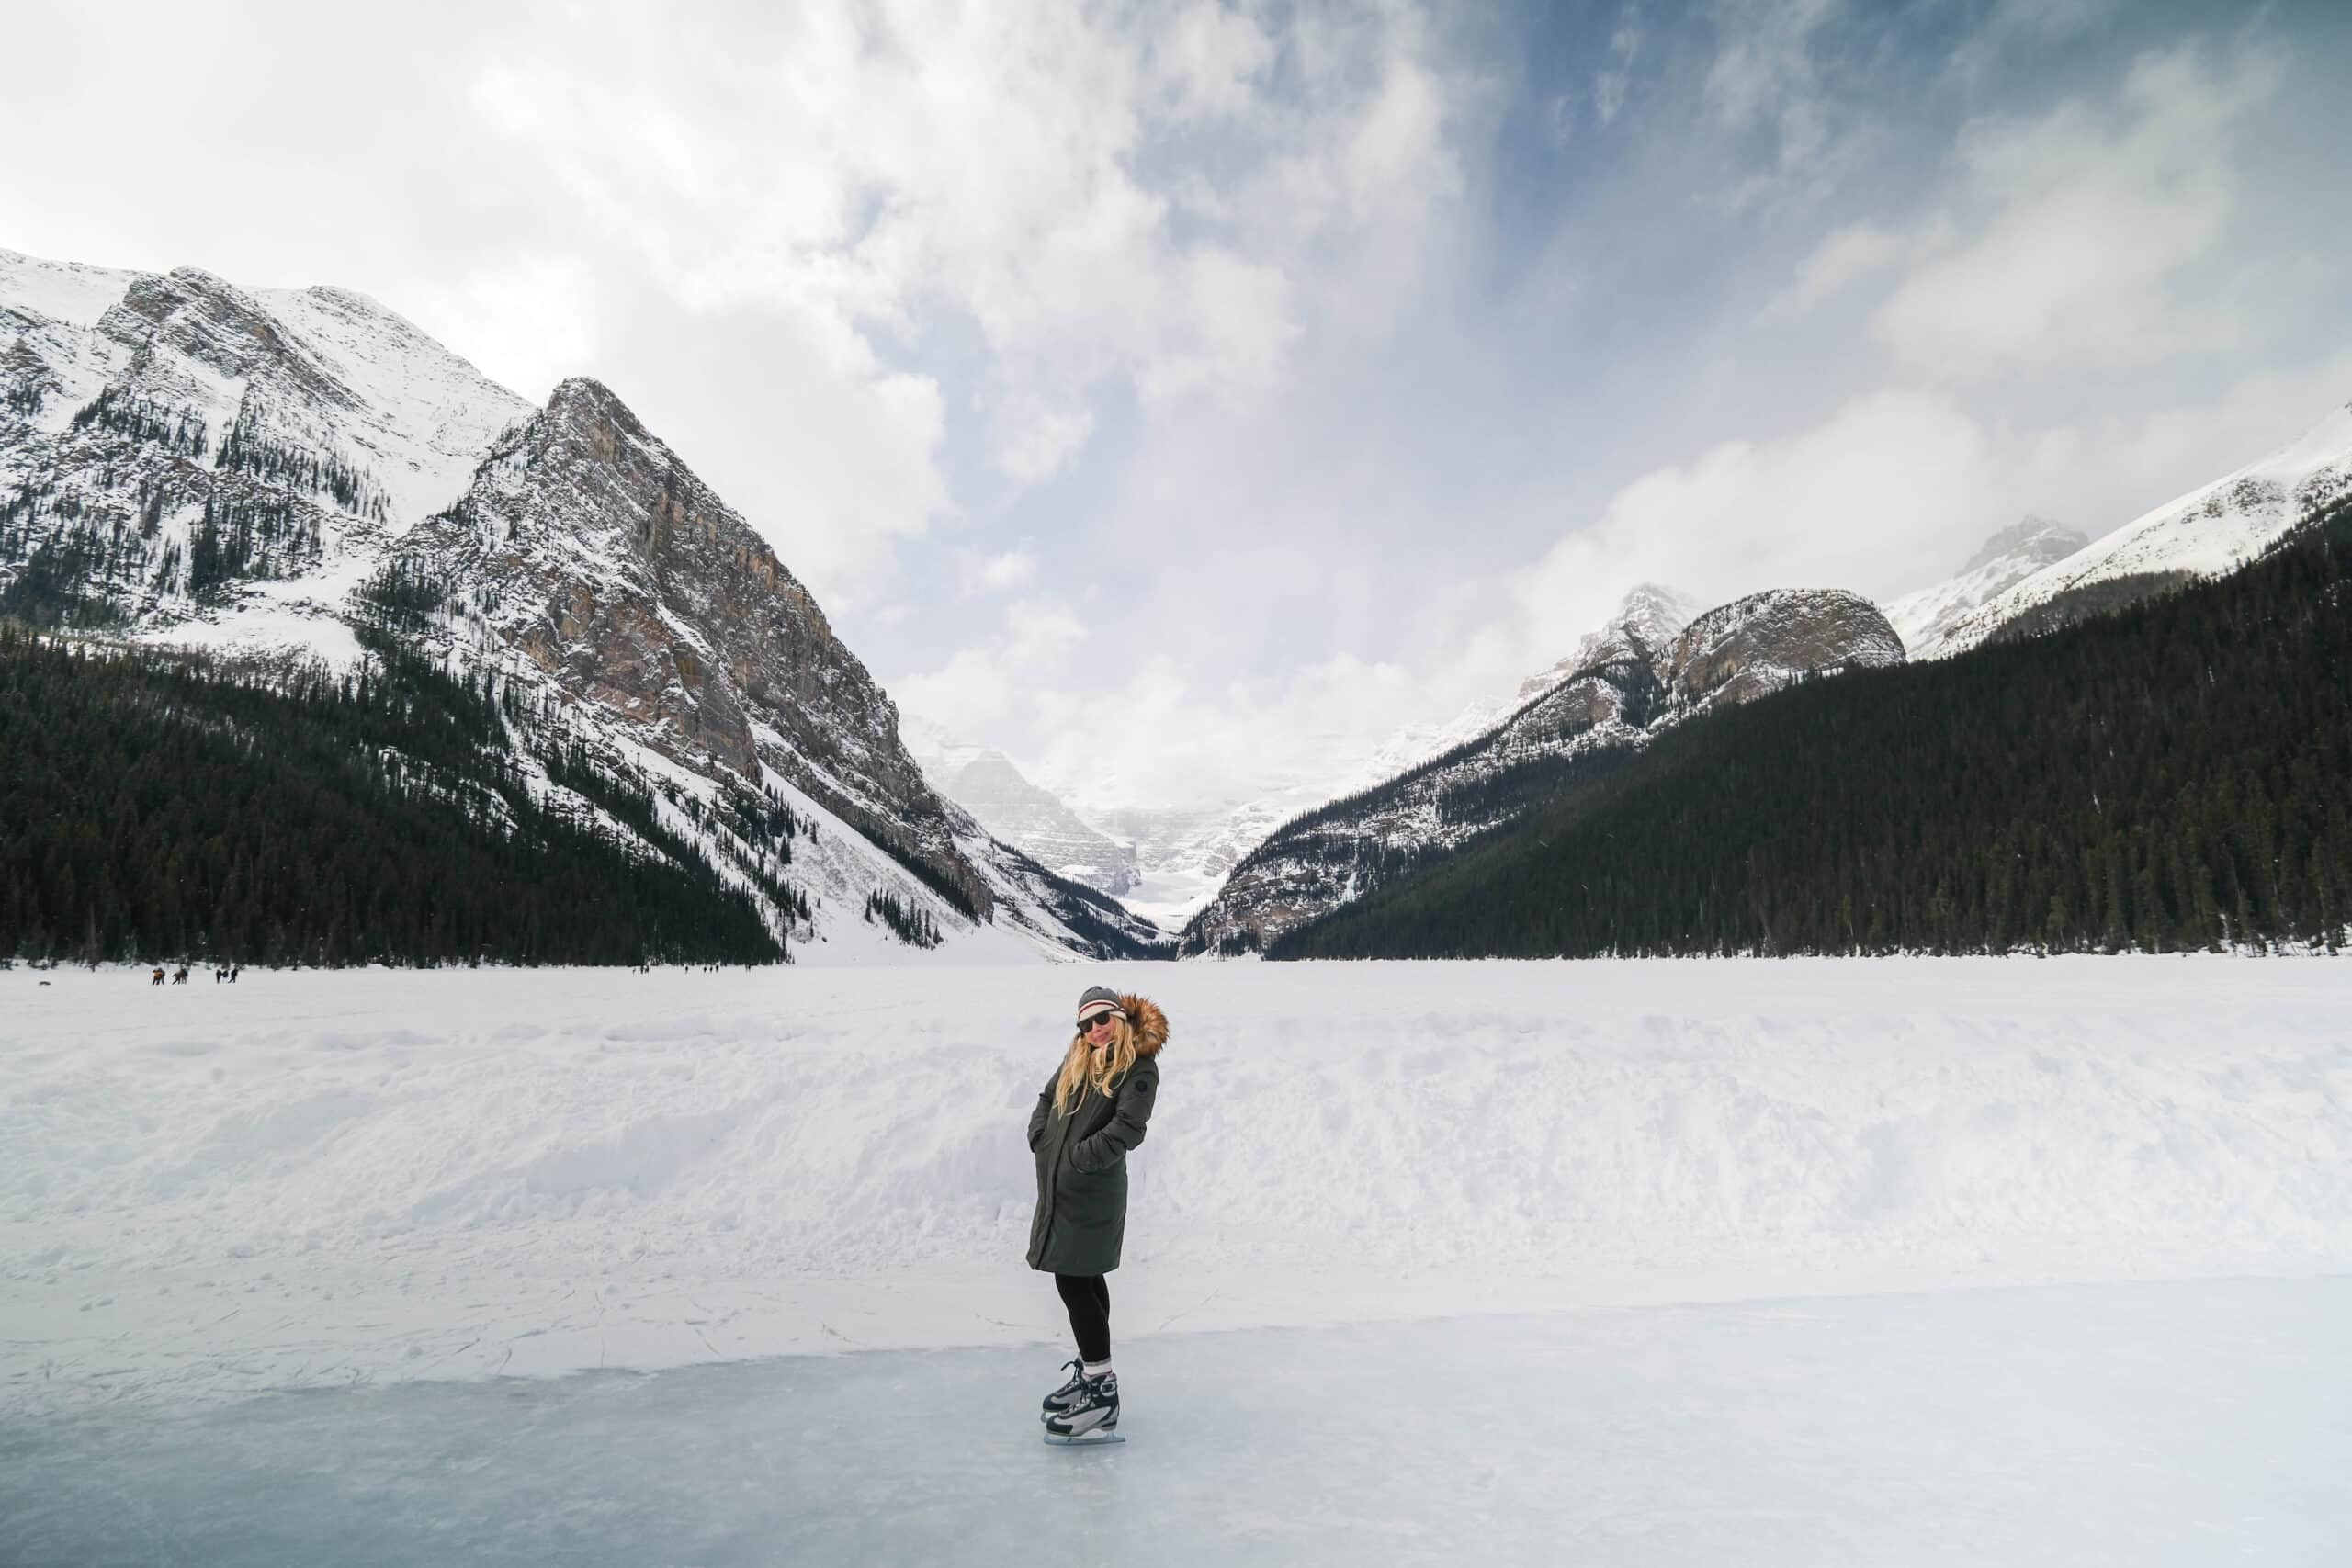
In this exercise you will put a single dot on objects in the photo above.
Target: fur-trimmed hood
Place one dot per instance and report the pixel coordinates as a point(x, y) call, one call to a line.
point(1146, 1022)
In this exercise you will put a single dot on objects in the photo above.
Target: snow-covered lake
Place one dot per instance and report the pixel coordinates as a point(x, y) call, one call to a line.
point(1617, 1262)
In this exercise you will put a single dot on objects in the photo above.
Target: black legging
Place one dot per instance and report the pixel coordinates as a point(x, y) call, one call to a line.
point(1088, 1296)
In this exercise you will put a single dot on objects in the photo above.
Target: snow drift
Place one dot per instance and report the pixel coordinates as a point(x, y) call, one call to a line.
point(323, 1179)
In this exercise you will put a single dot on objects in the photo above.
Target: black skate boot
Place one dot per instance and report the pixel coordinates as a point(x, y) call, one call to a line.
point(1093, 1419)
point(1062, 1398)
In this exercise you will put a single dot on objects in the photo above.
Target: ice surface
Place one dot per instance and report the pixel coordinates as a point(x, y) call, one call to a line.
point(2138, 1423)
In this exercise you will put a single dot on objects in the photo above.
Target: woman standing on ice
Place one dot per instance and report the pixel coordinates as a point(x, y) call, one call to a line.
point(1091, 1114)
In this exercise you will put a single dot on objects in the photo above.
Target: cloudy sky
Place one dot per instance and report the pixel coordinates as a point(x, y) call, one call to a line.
point(1183, 395)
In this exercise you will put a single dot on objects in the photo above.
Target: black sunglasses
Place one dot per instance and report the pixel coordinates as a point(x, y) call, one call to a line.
point(1086, 1025)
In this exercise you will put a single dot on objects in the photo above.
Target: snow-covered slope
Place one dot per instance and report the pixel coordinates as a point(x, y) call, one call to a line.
point(317, 1178)
point(1650, 613)
point(1184, 853)
point(186, 459)
point(1925, 619)
point(1034, 819)
point(2212, 529)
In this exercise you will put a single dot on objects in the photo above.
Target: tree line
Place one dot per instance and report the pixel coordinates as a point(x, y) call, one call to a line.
point(165, 805)
point(2174, 774)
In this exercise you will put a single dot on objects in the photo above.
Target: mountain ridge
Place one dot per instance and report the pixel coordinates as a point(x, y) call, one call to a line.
point(196, 464)
point(1633, 684)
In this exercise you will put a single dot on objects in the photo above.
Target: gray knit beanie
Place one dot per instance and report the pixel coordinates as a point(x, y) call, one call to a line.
point(1098, 998)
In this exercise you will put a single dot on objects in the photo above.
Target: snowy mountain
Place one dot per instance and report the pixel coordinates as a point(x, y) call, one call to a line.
point(182, 458)
point(1636, 676)
point(1653, 614)
point(1032, 818)
point(1926, 619)
point(2212, 529)
point(184, 461)
point(1184, 853)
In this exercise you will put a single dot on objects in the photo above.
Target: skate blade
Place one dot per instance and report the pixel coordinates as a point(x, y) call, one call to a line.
point(1098, 1438)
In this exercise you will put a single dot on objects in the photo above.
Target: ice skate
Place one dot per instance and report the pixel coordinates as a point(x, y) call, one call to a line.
point(1094, 1417)
point(1069, 1393)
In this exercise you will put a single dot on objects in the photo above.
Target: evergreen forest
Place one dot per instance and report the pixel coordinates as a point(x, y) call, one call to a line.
point(2174, 774)
point(166, 806)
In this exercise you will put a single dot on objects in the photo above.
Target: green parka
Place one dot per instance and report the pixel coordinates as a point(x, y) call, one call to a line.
point(1081, 1214)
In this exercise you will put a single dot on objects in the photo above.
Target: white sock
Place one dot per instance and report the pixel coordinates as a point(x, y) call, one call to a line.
point(1095, 1369)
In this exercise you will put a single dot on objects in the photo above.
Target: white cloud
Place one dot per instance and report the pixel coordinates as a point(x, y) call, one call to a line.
point(1210, 61)
point(1848, 504)
point(1764, 78)
point(862, 168)
point(1846, 257)
point(978, 575)
point(1609, 87)
point(526, 319)
point(2019, 27)
point(1035, 442)
point(968, 693)
point(2080, 223)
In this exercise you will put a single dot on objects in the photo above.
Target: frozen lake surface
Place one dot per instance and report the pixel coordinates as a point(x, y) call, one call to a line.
point(1919, 1261)
point(2140, 1425)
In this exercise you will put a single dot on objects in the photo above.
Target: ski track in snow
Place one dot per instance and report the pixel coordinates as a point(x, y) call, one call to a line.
point(319, 1179)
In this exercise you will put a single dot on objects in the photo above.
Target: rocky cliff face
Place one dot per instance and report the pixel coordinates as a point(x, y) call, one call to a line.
point(1635, 676)
point(585, 544)
point(1755, 645)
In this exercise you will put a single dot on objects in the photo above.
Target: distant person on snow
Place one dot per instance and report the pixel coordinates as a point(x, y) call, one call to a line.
point(1091, 1114)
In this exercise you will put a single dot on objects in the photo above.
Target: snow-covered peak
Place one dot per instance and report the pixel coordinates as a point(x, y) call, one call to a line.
point(1925, 619)
point(1022, 813)
point(1650, 616)
point(429, 414)
point(1645, 624)
point(2211, 529)
point(2032, 537)
point(61, 291)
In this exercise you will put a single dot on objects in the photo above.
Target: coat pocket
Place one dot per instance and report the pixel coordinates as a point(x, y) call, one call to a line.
point(1094, 1197)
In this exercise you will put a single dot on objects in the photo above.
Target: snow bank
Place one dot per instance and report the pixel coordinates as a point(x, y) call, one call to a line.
point(325, 1179)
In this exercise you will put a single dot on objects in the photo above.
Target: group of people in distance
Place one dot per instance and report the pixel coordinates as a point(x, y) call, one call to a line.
point(179, 976)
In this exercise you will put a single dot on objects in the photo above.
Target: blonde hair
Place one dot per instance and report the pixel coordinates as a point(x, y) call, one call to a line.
point(1104, 1069)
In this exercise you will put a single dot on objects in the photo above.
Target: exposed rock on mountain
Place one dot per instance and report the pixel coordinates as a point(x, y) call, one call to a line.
point(585, 544)
point(1751, 647)
point(1637, 675)
point(1651, 615)
point(1926, 619)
